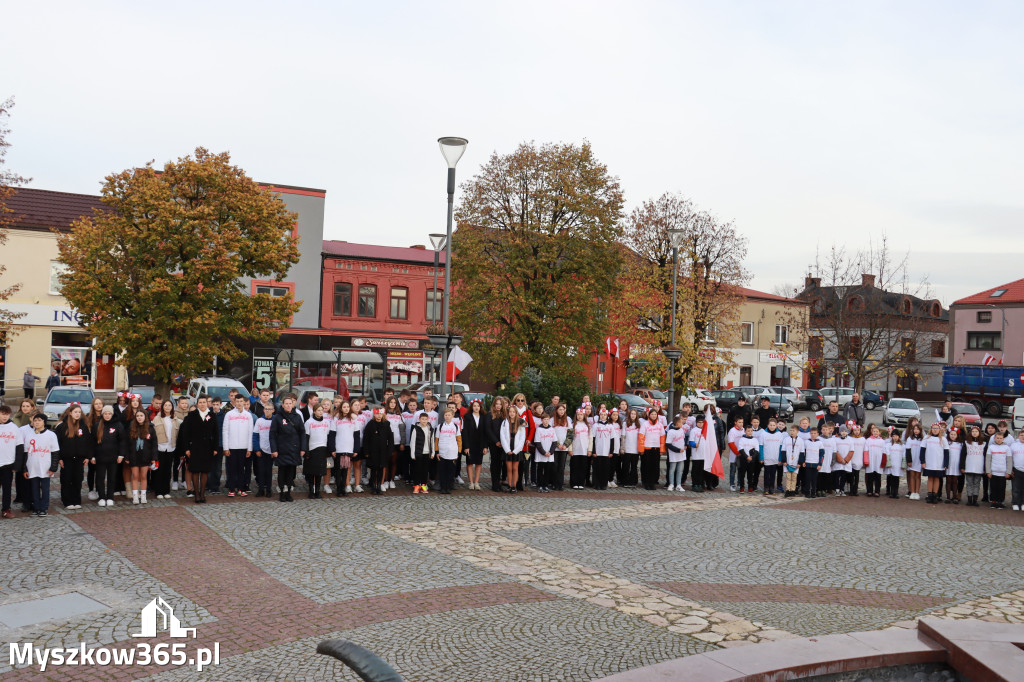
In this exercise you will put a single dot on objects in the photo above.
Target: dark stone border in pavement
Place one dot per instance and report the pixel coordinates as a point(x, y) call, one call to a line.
point(807, 594)
point(908, 509)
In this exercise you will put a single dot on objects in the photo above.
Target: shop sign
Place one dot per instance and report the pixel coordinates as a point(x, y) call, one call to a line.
point(45, 315)
point(367, 342)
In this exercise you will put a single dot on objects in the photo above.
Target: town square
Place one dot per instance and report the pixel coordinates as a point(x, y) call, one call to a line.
point(515, 341)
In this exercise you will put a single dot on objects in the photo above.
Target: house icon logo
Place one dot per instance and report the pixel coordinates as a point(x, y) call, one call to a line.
point(158, 615)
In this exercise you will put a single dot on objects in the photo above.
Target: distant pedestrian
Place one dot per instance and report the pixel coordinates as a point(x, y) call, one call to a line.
point(854, 410)
point(53, 380)
point(28, 383)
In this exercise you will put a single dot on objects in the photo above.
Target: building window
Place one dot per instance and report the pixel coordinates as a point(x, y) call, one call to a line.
point(747, 333)
point(855, 304)
point(342, 299)
point(367, 300)
point(984, 316)
point(909, 350)
point(939, 348)
point(710, 332)
point(399, 303)
point(997, 293)
point(56, 270)
point(906, 382)
point(434, 302)
point(854, 347)
point(275, 291)
point(781, 333)
point(984, 341)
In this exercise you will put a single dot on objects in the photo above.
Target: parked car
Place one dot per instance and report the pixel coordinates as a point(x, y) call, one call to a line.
point(898, 412)
point(300, 390)
point(793, 395)
point(753, 391)
point(700, 398)
point(451, 387)
point(145, 391)
point(214, 387)
point(969, 412)
point(651, 395)
point(813, 398)
point(870, 400)
point(632, 400)
point(840, 395)
point(726, 399)
point(59, 397)
point(1017, 414)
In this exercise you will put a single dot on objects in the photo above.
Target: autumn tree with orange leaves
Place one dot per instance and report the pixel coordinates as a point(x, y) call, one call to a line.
point(157, 275)
point(535, 261)
point(707, 316)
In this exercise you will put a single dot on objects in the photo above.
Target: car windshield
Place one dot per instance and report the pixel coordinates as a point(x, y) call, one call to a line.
point(658, 395)
point(222, 392)
point(145, 393)
point(69, 395)
point(903, 405)
point(965, 408)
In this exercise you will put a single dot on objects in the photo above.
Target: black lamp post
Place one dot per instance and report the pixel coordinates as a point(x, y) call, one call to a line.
point(452, 148)
point(675, 237)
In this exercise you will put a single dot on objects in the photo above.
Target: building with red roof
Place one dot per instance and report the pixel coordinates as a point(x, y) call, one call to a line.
point(989, 323)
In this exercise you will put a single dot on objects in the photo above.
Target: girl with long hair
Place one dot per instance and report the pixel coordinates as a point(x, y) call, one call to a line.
point(74, 439)
point(345, 429)
point(474, 441)
point(563, 441)
point(94, 417)
point(912, 439)
point(499, 409)
point(393, 415)
point(166, 427)
point(514, 431)
point(142, 451)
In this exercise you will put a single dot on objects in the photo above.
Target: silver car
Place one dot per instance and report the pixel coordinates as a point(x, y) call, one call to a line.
point(898, 412)
point(60, 397)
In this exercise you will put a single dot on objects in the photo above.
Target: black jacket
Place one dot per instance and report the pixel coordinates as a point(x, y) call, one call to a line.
point(476, 438)
point(199, 435)
point(78, 448)
point(744, 411)
point(494, 434)
point(149, 445)
point(416, 441)
point(111, 443)
point(288, 438)
point(834, 419)
point(378, 442)
point(764, 414)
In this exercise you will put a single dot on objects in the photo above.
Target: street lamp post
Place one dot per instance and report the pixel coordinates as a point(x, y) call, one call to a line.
point(437, 241)
point(452, 148)
point(675, 237)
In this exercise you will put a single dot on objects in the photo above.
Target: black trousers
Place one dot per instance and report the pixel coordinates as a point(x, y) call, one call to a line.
point(839, 479)
point(853, 478)
point(810, 480)
point(6, 477)
point(1017, 496)
point(753, 472)
point(161, 478)
point(628, 468)
point(421, 469)
point(216, 469)
point(558, 470)
point(312, 483)
point(650, 468)
point(892, 485)
point(446, 472)
point(613, 467)
point(264, 466)
point(497, 468)
point(997, 489)
point(235, 463)
point(247, 467)
point(285, 476)
point(91, 477)
point(108, 475)
point(545, 474)
point(771, 474)
point(697, 472)
point(578, 466)
point(873, 481)
point(602, 466)
point(71, 482)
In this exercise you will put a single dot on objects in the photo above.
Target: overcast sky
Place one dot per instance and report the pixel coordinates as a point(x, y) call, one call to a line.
point(807, 123)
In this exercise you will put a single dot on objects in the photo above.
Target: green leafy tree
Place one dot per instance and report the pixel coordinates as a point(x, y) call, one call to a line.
point(8, 181)
point(534, 259)
point(157, 276)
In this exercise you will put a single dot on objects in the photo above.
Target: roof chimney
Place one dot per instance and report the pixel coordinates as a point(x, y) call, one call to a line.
point(867, 281)
point(811, 282)
point(418, 246)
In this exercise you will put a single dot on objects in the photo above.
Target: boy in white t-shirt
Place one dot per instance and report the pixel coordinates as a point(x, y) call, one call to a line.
point(41, 460)
point(11, 452)
point(544, 438)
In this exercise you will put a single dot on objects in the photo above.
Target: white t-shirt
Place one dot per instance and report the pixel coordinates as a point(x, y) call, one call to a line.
point(546, 436)
point(344, 434)
point(447, 440)
point(38, 448)
point(10, 439)
point(317, 430)
point(652, 433)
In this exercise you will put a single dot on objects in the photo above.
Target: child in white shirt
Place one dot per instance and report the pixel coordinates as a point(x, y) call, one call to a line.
point(544, 439)
point(41, 459)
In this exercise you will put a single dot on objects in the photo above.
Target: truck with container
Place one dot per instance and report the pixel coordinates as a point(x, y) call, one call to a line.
point(992, 389)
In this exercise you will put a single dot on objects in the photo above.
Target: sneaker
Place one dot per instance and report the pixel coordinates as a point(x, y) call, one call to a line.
point(190, 494)
point(242, 493)
point(135, 497)
point(174, 486)
point(359, 488)
point(102, 503)
point(110, 503)
point(424, 489)
point(415, 490)
point(348, 489)
point(231, 493)
point(611, 484)
point(743, 490)
point(732, 488)
point(142, 498)
point(93, 495)
point(327, 489)
point(1016, 507)
point(458, 479)
point(41, 514)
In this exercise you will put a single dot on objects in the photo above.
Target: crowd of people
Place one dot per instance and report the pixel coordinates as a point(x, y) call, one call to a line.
point(131, 450)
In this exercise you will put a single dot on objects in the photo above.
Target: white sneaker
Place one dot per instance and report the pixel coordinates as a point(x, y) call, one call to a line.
point(458, 479)
point(327, 489)
point(93, 495)
point(142, 498)
point(915, 496)
point(359, 488)
point(732, 488)
point(102, 503)
point(110, 503)
point(135, 497)
point(1016, 507)
point(348, 489)
point(174, 485)
point(611, 484)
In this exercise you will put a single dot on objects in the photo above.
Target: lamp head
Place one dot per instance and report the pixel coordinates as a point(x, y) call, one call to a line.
point(675, 236)
point(452, 148)
point(437, 241)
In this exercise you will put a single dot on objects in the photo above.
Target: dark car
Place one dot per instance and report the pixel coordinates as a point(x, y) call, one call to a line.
point(813, 397)
point(870, 399)
point(726, 398)
point(780, 403)
point(633, 400)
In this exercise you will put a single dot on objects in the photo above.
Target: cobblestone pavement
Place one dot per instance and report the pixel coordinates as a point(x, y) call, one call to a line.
point(484, 586)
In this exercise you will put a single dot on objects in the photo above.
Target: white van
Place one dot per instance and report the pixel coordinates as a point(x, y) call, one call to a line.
point(1018, 414)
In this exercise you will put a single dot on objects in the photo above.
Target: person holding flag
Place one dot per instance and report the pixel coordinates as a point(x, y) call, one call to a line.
point(704, 445)
point(458, 360)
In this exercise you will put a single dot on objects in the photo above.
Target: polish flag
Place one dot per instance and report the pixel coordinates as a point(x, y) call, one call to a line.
point(709, 446)
point(820, 414)
point(988, 359)
point(616, 346)
point(458, 360)
point(608, 345)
